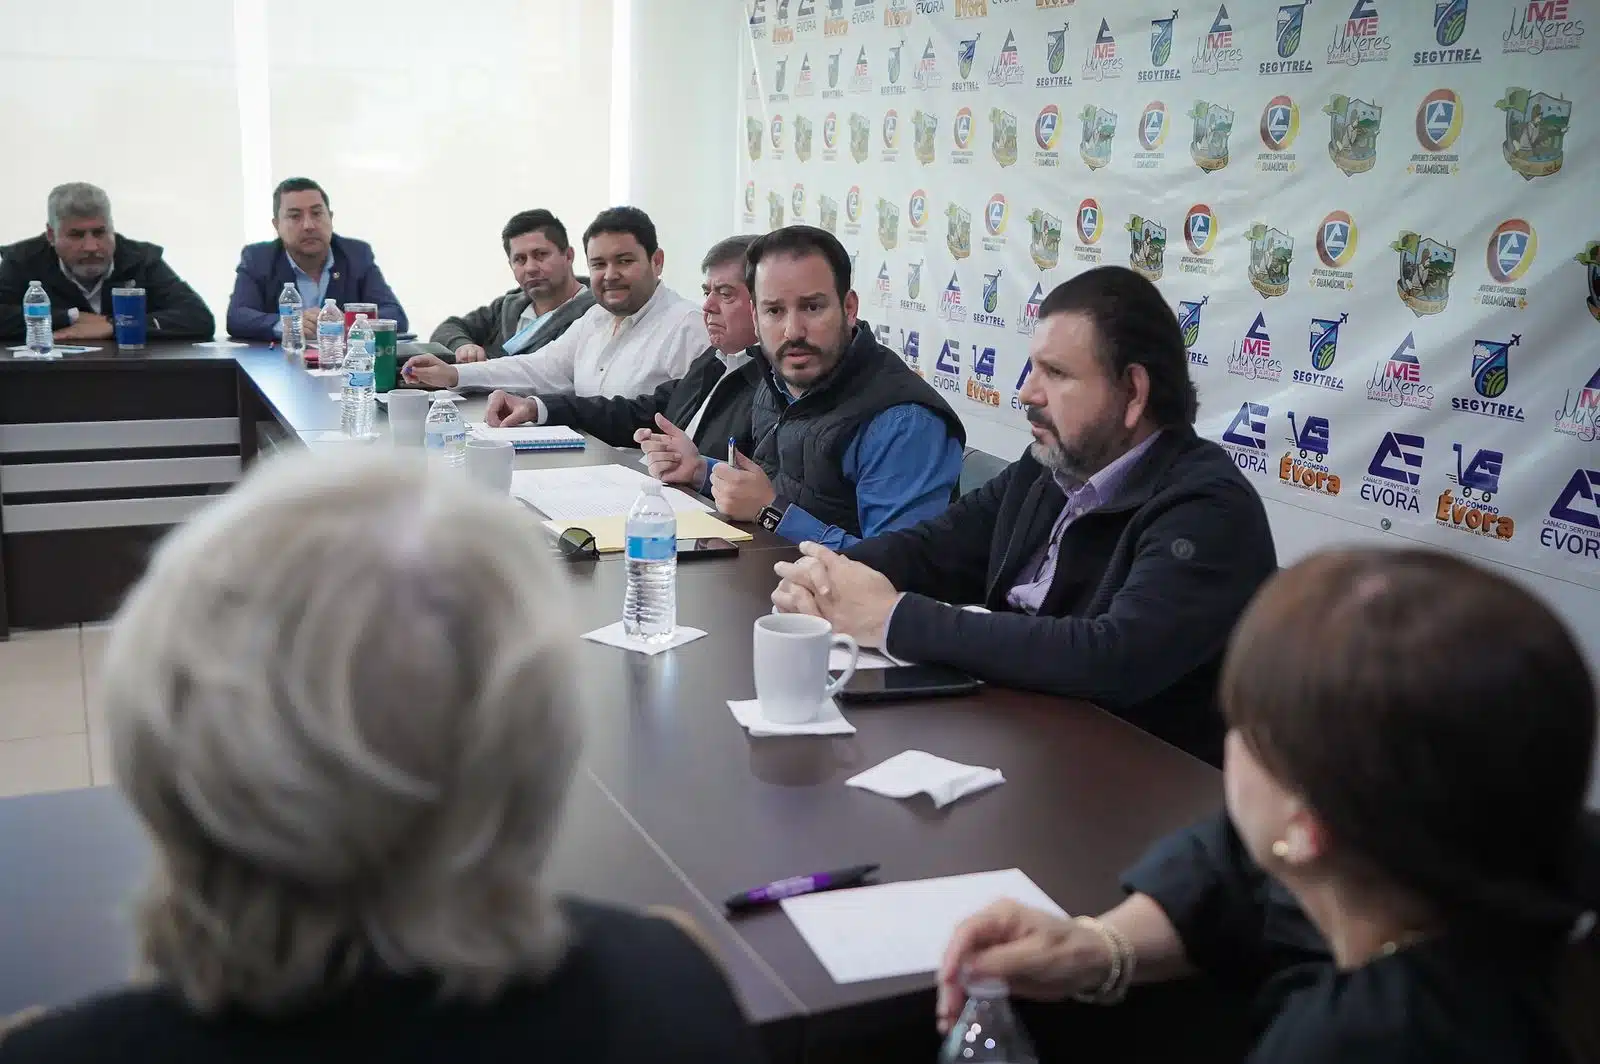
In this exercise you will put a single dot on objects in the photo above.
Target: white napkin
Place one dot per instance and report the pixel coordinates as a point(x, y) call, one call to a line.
point(869, 659)
point(829, 722)
point(220, 343)
point(612, 635)
point(320, 372)
point(919, 772)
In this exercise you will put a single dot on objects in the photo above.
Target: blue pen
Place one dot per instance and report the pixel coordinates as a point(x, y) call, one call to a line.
point(733, 449)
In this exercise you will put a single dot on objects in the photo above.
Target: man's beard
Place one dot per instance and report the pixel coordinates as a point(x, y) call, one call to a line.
point(88, 273)
point(1101, 445)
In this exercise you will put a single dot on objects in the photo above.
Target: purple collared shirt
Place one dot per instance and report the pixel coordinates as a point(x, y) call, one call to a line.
point(1033, 581)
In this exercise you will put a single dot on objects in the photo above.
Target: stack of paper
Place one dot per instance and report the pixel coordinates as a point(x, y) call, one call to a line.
point(582, 492)
point(531, 437)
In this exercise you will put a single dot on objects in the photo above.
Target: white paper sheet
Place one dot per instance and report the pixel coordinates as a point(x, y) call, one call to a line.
point(58, 349)
point(577, 492)
point(869, 659)
point(545, 434)
point(901, 928)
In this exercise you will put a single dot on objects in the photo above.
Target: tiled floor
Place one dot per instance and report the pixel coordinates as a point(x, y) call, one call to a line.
point(50, 739)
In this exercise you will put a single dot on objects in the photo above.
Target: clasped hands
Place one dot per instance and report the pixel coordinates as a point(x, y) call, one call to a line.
point(740, 489)
point(855, 598)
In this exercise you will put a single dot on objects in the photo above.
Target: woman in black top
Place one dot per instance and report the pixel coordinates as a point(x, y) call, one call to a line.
point(1406, 872)
point(343, 702)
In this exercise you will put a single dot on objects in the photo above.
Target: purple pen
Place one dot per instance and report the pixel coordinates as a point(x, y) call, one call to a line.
point(791, 888)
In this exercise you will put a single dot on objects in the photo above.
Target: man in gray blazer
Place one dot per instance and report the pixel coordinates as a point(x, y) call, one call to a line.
point(547, 299)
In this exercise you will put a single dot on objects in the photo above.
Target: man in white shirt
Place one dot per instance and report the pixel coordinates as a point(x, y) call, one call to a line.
point(638, 335)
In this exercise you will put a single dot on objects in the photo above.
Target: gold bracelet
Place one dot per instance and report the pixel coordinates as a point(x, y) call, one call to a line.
point(1120, 978)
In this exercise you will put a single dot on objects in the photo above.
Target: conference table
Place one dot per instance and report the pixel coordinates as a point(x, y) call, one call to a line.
point(674, 803)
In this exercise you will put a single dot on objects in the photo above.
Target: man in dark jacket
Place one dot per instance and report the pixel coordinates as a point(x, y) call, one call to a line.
point(849, 442)
point(712, 400)
point(79, 260)
point(1115, 555)
point(548, 298)
point(310, 256)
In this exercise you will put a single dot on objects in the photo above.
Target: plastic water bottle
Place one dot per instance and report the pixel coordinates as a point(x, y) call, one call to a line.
point(987, 1030)
point(289, 309)
point(359, 402)
point(330, 336)
point(444, 434)
point(650, 610)
point(36, 313)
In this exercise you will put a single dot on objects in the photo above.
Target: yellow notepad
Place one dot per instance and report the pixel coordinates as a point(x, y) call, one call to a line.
point(609, 532)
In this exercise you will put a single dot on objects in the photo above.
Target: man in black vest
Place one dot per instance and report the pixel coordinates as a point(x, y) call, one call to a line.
point(712, 400)
point(1115, 555)
point(849, 442)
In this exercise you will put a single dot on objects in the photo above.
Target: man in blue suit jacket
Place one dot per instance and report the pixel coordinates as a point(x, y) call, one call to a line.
point(308, 255)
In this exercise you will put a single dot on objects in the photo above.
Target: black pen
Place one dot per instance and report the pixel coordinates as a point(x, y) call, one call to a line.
point(793, 888)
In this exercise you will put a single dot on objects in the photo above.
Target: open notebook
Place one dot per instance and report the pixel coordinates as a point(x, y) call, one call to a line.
point(531, 437)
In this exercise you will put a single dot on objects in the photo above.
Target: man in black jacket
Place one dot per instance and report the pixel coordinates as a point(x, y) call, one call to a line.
point(712, 400)
point(79, 260)
point(548, 298)
point(1110, 562)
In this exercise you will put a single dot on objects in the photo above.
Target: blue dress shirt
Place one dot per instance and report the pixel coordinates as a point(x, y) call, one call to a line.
point(896, 485)
point(312, 293)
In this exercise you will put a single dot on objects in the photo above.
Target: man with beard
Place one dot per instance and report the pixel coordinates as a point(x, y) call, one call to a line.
point(548, 297)
point(322, 264)
point(78, 254)
point(849, 442)
point(638, 335)
point(1115, 555)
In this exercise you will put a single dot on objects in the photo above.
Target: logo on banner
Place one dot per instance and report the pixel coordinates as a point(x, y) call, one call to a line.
point(1055, 59)
point(884, 287)
point(1004, 142)
point(749, 202)
point(1438, 124)
point(1305, 464)
point(1102, 63)
point(927, 75)
point(1028, 320)
point(894, 88)
point(1357, 39)
point(947, 367)
point(1046, 132)
point(1324, 349)
point(980, 386)
point(1579, 414)
point(1353, 134)
point(758, 19)
point(1007, 68)
point(1280, 125)
point(961, 131)
point(852, 211)
point(1426, 267)
point(917, 215)
point(833, 92)
point(911, 349)
point(806, 86)
point(1044, 244)
point(972, 8)
point(1271, 253)
point(861, 80)
point(753, 133)
point(913, 303)
point(830, 137)
point(1152, 130)
point(923, 127)
point(1022, 379)
point(782, 32)
point(1336, 247)
point(1252, 355)
point(1478, 481)
point(1213, 124)
point(1536, 132)
point(835, 25)
point(897, 13)
point(888, 224)
point(1161, 30)
point(780, 79)
point(1394, 472)
point(1573, 524)
point(990, 314)
point(1090, 224)
point(752, 91)
point(802, 138)
point(1147, 247)
point(828, 213)
point(797, 202)
point(891, 135)
point(1510, 253)
point(1099, 131)
point(1589, 257)
point(806, 18)
point(1189, 325)
point(1398, 382)
point(1542, 26)
point(1449, 23)
point(860, 137)
point(958, 231)
point(775, 209)
point(777, 136)
point(1291, 30)
point(951, 308)
point(1245, 438)
point(996, 214)
point(1215, 51)
point(1200, 235)
point(966, 55)
point(1491, 375)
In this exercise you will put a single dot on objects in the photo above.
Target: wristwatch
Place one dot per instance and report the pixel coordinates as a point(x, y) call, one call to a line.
point(769, 518)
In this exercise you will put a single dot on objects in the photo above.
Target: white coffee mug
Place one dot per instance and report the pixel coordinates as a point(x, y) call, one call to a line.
point(791, 659)
point(489, 463)
point(408, 416)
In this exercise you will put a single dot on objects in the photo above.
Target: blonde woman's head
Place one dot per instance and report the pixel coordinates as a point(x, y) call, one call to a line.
point(342, 701)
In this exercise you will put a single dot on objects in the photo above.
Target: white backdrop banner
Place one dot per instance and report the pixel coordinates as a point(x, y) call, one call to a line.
point(1370, 216)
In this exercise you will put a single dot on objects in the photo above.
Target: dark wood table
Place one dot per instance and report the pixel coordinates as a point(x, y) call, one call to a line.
point(676, 805)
